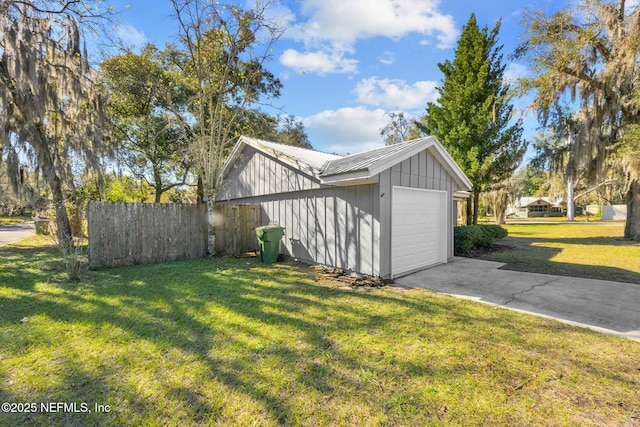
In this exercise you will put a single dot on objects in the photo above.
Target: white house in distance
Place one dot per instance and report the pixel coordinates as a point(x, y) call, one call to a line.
point(535, 207)
point(384, 212)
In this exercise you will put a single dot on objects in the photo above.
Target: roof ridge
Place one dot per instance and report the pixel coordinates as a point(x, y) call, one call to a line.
point(365, 158)
point(386, 147)
point(312, 161)
point(295, 147)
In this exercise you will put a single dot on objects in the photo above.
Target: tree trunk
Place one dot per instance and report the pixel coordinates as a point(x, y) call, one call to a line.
point(63, 233)
point(200, 190)
point(500, 207)
point(632, 226)
point(476, 198)
point(157, 184)
point(469, 210)
point(571, 207)
point(499, 215)
point(157, 196)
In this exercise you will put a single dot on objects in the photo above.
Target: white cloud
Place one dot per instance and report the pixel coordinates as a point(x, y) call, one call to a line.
point(332, 27)
point(387, 58)
point(345, 21)
point(393, 93)
point(318, 62)
point(277, 13)
point(513, 72)
point(131, 37)
point(630, 5)
point(346, 130)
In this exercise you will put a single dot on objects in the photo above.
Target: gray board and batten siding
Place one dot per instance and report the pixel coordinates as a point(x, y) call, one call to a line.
point(336, 211)
point(335, 226)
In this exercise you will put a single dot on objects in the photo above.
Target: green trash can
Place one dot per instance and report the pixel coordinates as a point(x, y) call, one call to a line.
point(269, 237)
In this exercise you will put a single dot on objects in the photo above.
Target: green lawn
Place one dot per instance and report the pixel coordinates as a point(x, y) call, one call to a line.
point(234, 342)
point(585, 250)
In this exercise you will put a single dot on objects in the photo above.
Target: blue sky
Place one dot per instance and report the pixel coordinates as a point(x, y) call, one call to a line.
point(345, 63)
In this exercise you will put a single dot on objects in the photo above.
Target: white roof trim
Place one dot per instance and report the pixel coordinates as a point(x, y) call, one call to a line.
point(461, 195)
point(401, 155)
point(235, 153)
point(454, 169)
point(428, 143)
point(291, 161)
point(350, 178)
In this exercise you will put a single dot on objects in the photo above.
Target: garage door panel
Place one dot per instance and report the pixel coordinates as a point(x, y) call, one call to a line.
point(418, 229)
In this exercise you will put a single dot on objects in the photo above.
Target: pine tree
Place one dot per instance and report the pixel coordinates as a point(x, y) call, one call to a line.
point(472, 117)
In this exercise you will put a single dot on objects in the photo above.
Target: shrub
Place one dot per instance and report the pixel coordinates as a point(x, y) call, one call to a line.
point(469, 237)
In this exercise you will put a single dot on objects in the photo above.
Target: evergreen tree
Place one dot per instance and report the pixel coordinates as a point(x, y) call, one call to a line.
point(472, 117)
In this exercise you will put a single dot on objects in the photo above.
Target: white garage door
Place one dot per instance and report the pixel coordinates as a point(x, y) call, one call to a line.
point(418, 229)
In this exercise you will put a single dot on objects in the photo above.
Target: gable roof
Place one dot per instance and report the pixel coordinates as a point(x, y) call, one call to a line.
point(309, 161)
point(368, 164)
point(528, 201)
point(333, 169)
point(364, 160)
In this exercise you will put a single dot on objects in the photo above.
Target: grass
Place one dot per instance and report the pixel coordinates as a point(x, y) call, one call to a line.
point(232, 341)
point(589, 250)
point(551, 219)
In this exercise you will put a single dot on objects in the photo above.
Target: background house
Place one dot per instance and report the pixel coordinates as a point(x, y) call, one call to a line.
point(383, 212)
point(536, 207)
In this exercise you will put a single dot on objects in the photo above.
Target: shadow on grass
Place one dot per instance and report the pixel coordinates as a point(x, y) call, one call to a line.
point(170, 311)
point(229, 341)
point(535, 255)
point(22, 266)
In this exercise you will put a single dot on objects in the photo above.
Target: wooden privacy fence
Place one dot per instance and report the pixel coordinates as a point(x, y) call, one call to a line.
point(234, 228)
point(145, 233)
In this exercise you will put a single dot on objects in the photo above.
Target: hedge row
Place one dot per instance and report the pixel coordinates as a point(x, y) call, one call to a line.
point(468, 237)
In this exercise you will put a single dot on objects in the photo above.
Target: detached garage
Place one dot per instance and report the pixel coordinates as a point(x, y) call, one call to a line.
point(384, 212)
point(418, 229)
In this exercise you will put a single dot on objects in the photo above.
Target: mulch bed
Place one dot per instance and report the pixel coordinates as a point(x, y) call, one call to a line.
point(336, 274)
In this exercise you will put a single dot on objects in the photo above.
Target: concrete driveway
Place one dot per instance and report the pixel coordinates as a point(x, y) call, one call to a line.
point(604, 306)
point(14, 232)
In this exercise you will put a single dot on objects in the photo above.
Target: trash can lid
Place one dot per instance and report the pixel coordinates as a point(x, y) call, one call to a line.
point(270, 227)
point(267, 230)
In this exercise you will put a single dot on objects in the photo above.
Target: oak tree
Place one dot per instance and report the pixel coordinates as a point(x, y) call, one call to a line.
point(587, 53)
point(50, 106)
point(148, 116)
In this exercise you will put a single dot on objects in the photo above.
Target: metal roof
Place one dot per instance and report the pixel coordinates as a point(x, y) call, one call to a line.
point(527, 201)
point(361, 167)
point(366, 159)
point(312, 158)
